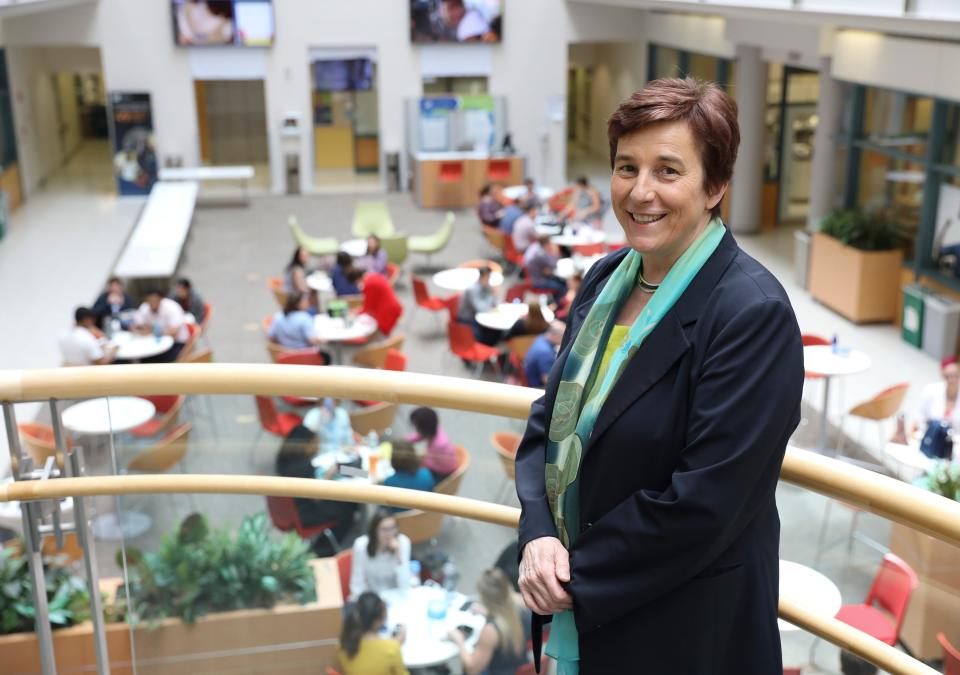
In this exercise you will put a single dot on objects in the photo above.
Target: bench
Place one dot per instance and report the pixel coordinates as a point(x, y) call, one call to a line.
point(203, 173)
point(152, 253)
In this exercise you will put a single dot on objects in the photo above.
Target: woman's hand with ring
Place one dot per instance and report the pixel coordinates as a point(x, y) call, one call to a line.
point(544, 567)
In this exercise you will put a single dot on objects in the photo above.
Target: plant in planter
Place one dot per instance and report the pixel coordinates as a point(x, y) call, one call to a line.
point(68, 600)
point(943, 479)
point(197, 571)
point(855, 266)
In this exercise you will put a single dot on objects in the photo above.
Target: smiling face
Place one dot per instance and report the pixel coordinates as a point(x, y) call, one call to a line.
point(657, 193)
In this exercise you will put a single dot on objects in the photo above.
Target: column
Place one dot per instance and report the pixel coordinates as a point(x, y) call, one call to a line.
point(747, 185)
point(824, 172)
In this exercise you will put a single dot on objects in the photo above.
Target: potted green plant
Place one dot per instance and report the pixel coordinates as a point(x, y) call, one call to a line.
point(855, 265)
point(68, 600)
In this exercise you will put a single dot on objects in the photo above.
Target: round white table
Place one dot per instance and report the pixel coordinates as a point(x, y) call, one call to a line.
point(567, 267)
point(821, 359)
point(548, 229)
point(357, 248)
point(426, 643)
point(807, 587)
point(338, 330)
point(906, 461)
point(133, 347)
point(107, 415)
point(504, 315)
point(515, 192)
point(462, 278)
point(583, 236)
point(320, 282)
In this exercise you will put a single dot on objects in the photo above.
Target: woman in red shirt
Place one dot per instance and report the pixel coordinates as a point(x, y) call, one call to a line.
point(380, 302)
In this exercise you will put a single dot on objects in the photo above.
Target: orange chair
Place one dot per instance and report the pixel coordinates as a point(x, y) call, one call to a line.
point(345, 567)
point(275, 284)
point(374, 355)
point(881, 407)
point(506, 443)
point(393, 273)
point(951, 656)
point(285, 517)
point(271, 421)
point(168, 406)
point(494, 237)
point(466, 347)
point(892, 587)
point(396, 360)
point(39, 443)
point(511, 254)
point(166, 454)
point(299, 357)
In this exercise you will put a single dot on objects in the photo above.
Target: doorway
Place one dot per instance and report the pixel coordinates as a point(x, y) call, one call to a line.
point(232, 123)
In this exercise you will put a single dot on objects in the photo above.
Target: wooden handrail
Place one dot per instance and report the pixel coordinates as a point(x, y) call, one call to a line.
point(828, 628)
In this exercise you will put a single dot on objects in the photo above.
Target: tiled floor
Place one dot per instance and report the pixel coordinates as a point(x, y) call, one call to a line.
point(62, 244)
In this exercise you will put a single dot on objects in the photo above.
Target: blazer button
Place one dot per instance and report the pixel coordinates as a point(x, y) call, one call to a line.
point(585, 526)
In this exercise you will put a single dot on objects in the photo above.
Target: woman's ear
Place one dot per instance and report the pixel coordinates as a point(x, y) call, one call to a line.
point(714, 199)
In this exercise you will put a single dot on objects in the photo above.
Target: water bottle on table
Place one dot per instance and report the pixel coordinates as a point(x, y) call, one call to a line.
point(157, 331)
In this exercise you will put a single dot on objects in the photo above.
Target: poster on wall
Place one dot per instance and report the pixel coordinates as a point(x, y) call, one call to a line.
point(134, 147)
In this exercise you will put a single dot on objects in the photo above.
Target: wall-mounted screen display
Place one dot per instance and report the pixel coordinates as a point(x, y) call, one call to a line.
point(456, 20)
point(343, 75)
point(241, 23)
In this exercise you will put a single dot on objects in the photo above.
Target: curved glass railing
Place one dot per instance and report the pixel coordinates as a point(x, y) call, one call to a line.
point(182, 608)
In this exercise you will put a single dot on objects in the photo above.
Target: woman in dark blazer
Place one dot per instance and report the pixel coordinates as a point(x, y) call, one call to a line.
point(647, 474)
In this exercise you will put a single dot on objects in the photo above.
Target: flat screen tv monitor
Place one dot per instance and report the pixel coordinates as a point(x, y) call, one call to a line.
point(457, 21)
point(343, 75)
point(235, 23)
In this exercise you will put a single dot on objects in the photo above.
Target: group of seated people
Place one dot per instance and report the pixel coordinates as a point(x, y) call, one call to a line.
point(87, 341)
point(381, 562)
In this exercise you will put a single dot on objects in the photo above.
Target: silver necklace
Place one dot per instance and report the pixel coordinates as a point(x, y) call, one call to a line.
point(645, 285)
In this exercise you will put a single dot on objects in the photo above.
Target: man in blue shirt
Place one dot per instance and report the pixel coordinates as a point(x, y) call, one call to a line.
point(542, 354)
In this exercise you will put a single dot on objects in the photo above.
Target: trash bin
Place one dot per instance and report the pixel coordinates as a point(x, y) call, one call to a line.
point(941, 325)
point(393, 171)
point(801, 256)
point(911, 324)
point(292, 164)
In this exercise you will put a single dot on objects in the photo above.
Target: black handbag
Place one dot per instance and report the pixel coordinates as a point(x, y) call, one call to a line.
point(937, 442)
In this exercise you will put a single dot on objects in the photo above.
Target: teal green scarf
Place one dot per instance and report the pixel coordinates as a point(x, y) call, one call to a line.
point(581, 395)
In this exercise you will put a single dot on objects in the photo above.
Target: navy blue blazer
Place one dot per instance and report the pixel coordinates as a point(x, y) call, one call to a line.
point(675, 567)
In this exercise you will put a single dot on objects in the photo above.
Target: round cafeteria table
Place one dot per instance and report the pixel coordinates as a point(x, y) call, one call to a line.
point(357, 248)
point(567, 267)
point(809, 588)
point(504, 315)
point(515, 192)
point(584, 236)
point(821, 359)
point(462, 278)
point(337, 330)
point(133, 347)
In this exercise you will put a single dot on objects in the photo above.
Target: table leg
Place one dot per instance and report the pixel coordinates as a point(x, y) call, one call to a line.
point(822, 443)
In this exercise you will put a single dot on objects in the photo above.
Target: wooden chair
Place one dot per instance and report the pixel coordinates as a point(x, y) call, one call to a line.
point(377, 417)
point(421, 526)
point(275, 284)
point(495, 237)
point(275, 350)
point(505, 443)
point(878, 409)
point(374, 355)
point(207, 314)
point(168, 407)
point(345, 567)
point(201, 356)
point(166, 454)
point(38, 441)
point(194, 335)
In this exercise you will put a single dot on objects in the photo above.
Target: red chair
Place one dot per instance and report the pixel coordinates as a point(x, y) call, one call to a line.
point(465, 346)
point(518, 292)
point(791, 671)
point(951, 656)
point(423, 298)
point(345, 567)
point(300, 357)
point(510, 252)
point(276, 423)
point(168, 409)
point(396, 360)
point(892, 587)
point(285, 517)
point(393, 273)
point(453, 306)
point(450, 172)
point(810, 340)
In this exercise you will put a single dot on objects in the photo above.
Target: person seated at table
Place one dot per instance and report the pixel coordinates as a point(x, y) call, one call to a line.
point(479, 297)
point(531, 193)
point(381, 557)
point(111, 302)
point(440, 456)
point(525, 228)
point(532, 324)
point(345, 275)
point(380, 302)
point(363, 650)
point(502, 645)
point(573, 287)
point(82, 345)
point(295, 274)
point(293, 461)
point(542, 354)
point(540, 259)
point(189, 300)
point(293, 327)
point(938, 401)
point(162, 316)
point(489, 209)
point(408, 470)
point(376, 258)
point(586, 204)
point(511, 213)
point(331, 423)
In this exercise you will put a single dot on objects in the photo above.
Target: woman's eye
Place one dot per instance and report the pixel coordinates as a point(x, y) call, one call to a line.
point(625, 168)
point(669, 171)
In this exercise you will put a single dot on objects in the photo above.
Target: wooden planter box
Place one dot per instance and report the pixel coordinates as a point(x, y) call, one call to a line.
point(862, 286)
point(935, 605)
point(285, 639)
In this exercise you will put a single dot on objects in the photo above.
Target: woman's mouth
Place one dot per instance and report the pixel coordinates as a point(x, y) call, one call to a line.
point(647, 218)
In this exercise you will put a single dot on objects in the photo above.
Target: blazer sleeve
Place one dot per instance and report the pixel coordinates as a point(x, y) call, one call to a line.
point(745, 405)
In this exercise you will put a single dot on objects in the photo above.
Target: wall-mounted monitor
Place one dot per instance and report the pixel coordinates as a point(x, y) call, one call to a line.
point(237, 23)
point(456, 21)
point(343, 75)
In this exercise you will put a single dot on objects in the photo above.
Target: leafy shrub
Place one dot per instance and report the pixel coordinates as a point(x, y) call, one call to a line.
point(68, 600)
point(864, 231)
point(944, 480)
point(197, 571)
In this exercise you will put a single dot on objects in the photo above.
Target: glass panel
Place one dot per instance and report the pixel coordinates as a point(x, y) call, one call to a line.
point(667, 63)
point(892, 188)
point(703, 67)
point(803, 87)
point(951, 146)
point(897, 120)
point(800, 126)
point(946, 238)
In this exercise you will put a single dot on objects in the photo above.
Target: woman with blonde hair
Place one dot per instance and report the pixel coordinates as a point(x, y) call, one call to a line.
point(502, 645)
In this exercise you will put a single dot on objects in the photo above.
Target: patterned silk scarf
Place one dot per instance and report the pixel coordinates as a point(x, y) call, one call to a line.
point(582, 392)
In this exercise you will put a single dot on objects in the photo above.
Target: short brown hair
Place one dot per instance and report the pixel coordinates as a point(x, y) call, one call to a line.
point(404, 457)
point(705, 107)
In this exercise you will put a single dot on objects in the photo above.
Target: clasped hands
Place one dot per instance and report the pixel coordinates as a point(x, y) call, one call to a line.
point(545, 565)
